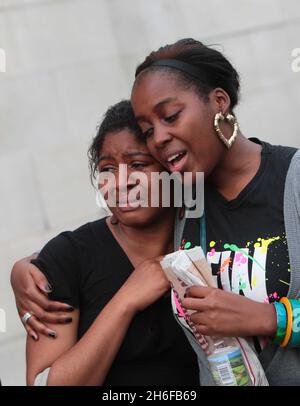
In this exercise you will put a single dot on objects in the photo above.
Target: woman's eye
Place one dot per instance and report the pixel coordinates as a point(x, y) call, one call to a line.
point(107, 169)
point(148, 132)
point(138, 165)
point(172, 118)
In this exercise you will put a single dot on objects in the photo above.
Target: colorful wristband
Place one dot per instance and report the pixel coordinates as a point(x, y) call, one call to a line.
point(289, 311)
point(281, 322)
point(295, 337)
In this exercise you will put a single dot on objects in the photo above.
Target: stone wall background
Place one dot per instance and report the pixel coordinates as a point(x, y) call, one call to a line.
point(67, 60)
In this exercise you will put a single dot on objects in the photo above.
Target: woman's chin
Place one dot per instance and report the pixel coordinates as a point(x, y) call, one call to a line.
point(136, 217)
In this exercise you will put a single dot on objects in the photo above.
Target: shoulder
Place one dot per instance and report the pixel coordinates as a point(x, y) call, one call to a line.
point(296, 160)
point(280, 154)
point(88, 232)
point(276, 161)
point(72, 243)
point(66, 258)
point(293, 176)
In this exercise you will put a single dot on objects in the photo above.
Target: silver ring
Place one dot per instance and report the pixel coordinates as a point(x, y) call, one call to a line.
point(26, 317)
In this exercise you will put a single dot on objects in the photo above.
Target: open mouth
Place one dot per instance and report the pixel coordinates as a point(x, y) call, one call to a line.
point(177, 160)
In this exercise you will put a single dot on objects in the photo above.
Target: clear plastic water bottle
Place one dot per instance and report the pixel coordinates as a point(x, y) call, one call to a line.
point(227, 365)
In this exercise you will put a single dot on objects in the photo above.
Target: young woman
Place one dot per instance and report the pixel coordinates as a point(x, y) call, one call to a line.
point(183, 98)
point(122, 331)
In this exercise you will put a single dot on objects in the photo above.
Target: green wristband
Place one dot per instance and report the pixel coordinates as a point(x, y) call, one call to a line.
point(281, 322)
point(295, 337)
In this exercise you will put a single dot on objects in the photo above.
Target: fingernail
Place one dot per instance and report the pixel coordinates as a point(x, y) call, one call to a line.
point(34, 336)
point(48, 288)
point(69, 309)
point(52, 334)
point(68, 320)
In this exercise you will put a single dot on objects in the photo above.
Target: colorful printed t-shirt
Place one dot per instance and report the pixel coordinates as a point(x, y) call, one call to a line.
point(245, 237)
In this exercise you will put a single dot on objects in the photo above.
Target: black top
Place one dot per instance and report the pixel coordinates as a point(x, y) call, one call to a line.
point(245, 237)
point(87, 267)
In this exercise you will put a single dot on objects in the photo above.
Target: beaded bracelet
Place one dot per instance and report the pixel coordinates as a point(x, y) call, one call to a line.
point(281, 322)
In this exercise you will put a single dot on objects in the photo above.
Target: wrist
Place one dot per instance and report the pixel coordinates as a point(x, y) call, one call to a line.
point(268, 321)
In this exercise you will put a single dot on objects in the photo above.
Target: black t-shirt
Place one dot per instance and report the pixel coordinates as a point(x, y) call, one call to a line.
point(86, 268)
point(245, 237)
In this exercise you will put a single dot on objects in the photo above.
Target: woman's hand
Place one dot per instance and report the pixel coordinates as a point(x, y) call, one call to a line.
point(145, 285)
point(220, 313)
point(31, 288)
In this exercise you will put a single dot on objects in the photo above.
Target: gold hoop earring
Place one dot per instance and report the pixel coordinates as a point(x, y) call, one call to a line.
point(231, 119)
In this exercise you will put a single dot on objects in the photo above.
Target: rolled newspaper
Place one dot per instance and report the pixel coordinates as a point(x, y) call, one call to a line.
point(185, 268)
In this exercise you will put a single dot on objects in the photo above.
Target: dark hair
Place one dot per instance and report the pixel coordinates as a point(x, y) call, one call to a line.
point(118, 117)
point(217, 70)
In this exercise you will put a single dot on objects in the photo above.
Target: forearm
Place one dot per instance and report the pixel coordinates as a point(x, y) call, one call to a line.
point(256, 319)
point(88, 362)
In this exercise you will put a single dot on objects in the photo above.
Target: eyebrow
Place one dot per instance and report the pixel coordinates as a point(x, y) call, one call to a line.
point(165, 101)
point(136, 153)
point(104, 157)
point(159, 104)
point(126, 154)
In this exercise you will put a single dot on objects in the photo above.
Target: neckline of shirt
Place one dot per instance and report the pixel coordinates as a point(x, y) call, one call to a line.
point(212, 192)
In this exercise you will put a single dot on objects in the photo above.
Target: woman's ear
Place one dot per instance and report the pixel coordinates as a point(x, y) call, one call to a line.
point(220, 100)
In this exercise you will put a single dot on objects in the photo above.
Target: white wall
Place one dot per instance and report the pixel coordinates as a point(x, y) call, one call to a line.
point(67, 60)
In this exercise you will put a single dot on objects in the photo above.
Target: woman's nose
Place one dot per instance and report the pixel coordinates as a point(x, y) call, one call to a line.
point(161, 137)
point(125, 181)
